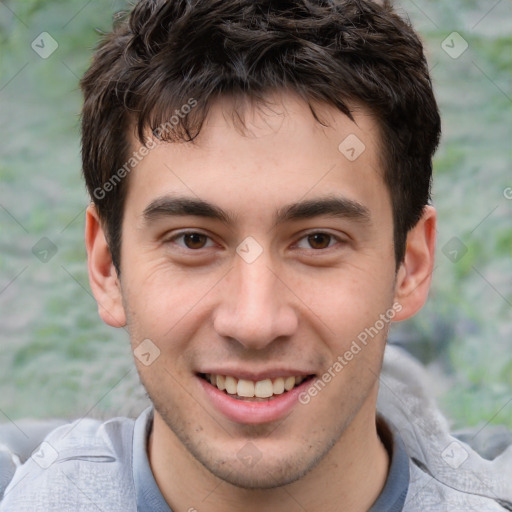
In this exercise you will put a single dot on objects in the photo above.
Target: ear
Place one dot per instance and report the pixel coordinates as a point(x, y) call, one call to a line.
point(415, 272)
point(103, 278)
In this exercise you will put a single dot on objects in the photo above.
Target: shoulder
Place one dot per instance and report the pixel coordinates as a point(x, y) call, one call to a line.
point(79, 466)
point(446, 474)
point(429, 492)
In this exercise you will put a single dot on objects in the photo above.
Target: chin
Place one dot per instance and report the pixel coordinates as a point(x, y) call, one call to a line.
point(261, 475)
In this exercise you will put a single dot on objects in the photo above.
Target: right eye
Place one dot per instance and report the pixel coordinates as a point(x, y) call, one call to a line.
point(192, 240)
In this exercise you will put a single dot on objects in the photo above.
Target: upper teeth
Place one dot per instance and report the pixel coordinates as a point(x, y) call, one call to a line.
point(248, 388)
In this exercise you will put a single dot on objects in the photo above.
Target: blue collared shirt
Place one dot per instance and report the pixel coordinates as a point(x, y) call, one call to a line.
point(150, 499)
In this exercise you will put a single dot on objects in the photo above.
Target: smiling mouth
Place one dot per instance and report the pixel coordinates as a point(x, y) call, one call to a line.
point(252, 391)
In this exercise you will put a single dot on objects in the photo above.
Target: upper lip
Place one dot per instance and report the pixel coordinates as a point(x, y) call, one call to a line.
point(257, 376)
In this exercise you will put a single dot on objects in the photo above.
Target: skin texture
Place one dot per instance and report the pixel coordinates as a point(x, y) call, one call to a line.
point(297, 306)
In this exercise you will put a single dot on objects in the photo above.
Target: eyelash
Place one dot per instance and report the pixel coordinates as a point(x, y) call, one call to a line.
point(333, 238)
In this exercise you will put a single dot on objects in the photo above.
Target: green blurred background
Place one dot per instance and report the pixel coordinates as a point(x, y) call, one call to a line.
point(58, 359)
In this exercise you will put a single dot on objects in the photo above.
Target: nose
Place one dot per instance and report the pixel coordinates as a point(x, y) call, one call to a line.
point(256, 306)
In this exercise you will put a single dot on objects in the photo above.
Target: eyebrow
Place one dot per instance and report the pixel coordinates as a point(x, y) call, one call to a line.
point(331, 206)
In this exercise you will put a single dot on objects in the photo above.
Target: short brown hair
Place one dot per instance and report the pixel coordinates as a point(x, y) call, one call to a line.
point(338, 52)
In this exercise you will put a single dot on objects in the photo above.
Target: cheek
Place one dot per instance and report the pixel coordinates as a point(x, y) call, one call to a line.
point(161, 300)
point(345, 300)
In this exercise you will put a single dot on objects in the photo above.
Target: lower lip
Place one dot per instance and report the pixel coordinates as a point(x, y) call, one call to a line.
point(246, 412)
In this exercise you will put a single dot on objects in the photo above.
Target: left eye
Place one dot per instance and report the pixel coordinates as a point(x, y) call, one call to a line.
point(192, 240)
point(317, 241)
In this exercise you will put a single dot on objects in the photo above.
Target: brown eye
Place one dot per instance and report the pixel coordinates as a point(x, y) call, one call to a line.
point(319, 240)
point(195, 240)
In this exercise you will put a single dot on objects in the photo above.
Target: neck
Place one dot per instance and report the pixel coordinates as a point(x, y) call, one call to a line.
point(351, 475)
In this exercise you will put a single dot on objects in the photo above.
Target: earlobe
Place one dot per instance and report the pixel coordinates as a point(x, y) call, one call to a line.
point(415, 272)
point(103, 277)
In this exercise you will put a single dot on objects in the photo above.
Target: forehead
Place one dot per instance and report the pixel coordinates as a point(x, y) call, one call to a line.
point(253, 155)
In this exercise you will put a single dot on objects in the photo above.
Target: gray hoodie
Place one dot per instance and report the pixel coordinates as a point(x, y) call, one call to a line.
point(90, 465)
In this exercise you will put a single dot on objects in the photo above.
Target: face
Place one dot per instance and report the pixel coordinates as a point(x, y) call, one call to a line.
point(260, 256)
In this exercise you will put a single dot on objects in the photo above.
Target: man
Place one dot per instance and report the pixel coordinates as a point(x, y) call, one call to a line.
point(259, 174)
